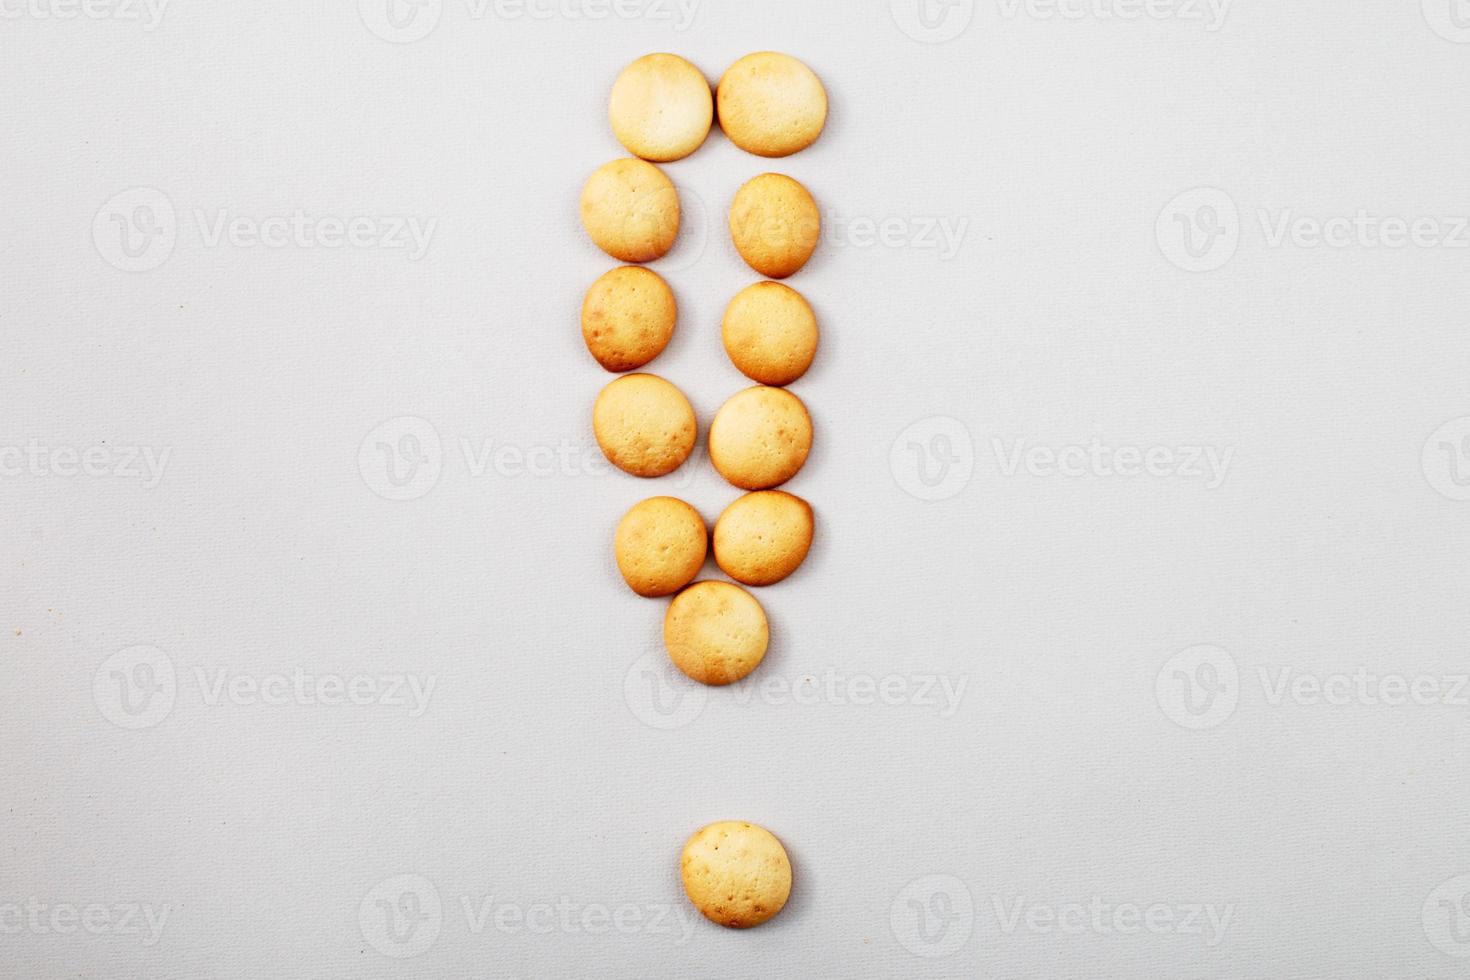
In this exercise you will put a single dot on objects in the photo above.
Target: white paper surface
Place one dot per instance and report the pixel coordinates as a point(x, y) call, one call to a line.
point(1206, 720)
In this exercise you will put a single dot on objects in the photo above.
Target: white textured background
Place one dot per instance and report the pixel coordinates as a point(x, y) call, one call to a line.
point(537, 803)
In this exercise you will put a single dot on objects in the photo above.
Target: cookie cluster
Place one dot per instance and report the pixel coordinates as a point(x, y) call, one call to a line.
point(662, 109)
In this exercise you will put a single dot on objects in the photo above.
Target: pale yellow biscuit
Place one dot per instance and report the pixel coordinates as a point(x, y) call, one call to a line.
point(631, 210)
point(716, 633)
point(644, 425)
point(775, 225)
point(735, 873)
point(771, 104)
point(770, 333)
point(660, 546)
point(661, 107)
point(628, 317)
point(760, 438)
point(763, 537)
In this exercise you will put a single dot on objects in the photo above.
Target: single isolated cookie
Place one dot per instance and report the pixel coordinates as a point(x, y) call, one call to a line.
point(644, 425)
point(771, 104)
point(760, 438)
point(735, 873)
point(631, 210)
point(763, 537)
point(660, 546)
point(770, 333)
point(661, 107)
point(628, 317)
point(775, 225)
point(716, 633)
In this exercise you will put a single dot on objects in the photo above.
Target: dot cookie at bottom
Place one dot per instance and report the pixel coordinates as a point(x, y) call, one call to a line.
point(736, 874)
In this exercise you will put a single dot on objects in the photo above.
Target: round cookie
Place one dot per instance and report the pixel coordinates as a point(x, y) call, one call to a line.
point(771, 104)
point(661, 108)
point(775, 225)
point(631, 210)
point(735, 873)
point(770, 333)
point(716, 633)
point(763, 537)
point(644, 425)
point(628, 317)
point(660, 546)
point(760, 438)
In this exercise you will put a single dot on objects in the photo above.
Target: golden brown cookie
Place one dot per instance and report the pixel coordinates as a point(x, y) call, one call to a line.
point(760, 438)
point(771, 104)
point(644, 425)
point(716, 633)
point(661, 107)
point(660, 546)
point(775, 225)
point(770, 333)
point(763, 537)
point(735, 873)
point(631, 210)
point(628, 317)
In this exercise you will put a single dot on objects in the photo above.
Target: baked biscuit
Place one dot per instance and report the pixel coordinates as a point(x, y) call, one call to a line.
point(760, 438)
point(770, 333)
point(661, 108)
point(644, 425)
point(628, 317)
point(631, 210)
point(771, 104)
point(763, 537)
point(660, 546)
point(775, 225)
point(716, 633)
point(735, 873)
